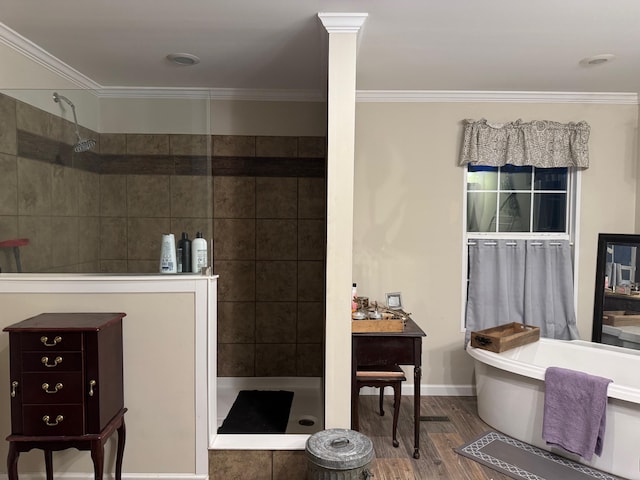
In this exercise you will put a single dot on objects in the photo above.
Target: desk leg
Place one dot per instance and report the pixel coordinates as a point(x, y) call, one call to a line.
point(97, 455)
point(122, 433)
point(48, 464)
point(12, 461)
point(417, 374)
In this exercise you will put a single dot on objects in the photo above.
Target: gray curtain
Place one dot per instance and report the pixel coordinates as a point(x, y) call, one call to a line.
point(524, 281)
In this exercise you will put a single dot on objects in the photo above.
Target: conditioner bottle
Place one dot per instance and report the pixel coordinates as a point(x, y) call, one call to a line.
point(198, 253)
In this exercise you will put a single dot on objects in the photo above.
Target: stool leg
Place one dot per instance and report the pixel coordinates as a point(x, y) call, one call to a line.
point(381, 399)
point(12, 461)
point(396, 411)
point(16, 254)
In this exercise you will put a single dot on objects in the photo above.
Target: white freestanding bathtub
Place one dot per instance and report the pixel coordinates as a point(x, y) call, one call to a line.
point(510, 389)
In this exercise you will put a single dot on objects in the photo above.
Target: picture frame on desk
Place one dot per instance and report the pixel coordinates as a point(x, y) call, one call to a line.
point(394, 300)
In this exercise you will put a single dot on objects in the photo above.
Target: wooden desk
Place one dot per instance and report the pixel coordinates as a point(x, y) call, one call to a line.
point(385, 349)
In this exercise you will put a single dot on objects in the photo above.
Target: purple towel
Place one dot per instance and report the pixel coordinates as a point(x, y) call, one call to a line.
point(575, 406)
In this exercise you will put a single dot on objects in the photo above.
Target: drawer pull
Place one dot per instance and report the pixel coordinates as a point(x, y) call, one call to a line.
point(45, 387)
point(14, 387)
point(56, 341)
point(45, 419)
point(56, 361)
point(92, 384)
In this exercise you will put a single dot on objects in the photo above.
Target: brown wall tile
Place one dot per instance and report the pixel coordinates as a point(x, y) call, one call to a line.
point(190, 145)
point(113, 143)
point(276, 197)
point(36, 257)
point(34, 187)
point(312, 198)
point(8, 129)
point(8, 184)
point(143, 266)
point(234, 197)
point(240, 464)
point(236, 360)
point(236, 322)
point(8, 231)
point(311, 239)
point(234, 146)
point(234, 239)
point(64, 191)
point(310, 281)
point(310, 324)
point(144, 238)
point(276, 146)
point(64, 241)
point(277, 239)
point(289, 465)
point(237, 282)
point(113, 195)
point(33, 120)
point(89, 241)
point(113, 238)
point(276, 322)
point(113, 266)
point(276, 281)
point(88, 194)
point(275, 360)
point(312, 147)
point(191, 196)
point(148, 196)
point(147, 144)
point(309, 360)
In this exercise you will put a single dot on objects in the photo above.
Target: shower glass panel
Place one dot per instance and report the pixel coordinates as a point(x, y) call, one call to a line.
point(96, 180)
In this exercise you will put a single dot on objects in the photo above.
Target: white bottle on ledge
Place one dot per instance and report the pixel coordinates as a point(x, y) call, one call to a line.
point(198, 253)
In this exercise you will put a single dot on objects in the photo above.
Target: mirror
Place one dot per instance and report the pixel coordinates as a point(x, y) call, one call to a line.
point(616, 309)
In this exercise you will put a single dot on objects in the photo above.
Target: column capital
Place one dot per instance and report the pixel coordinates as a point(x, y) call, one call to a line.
point(342, 22)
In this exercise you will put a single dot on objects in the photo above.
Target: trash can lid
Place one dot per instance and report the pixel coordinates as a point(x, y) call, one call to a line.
point(339, 449)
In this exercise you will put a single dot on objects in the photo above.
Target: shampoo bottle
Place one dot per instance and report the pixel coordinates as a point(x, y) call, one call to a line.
point(184, 252)
point(198, 253)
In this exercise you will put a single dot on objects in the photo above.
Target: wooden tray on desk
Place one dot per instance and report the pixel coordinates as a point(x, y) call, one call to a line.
point(504, 337)
point(382, 325)
point(620, 318)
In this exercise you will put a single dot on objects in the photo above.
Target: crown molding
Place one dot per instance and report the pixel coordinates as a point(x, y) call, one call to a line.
point(454, 96)
point(263, 95)
point(33, 52)
point(342, 22)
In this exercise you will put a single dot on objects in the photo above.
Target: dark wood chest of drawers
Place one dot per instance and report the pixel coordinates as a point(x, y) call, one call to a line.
point(65, 373)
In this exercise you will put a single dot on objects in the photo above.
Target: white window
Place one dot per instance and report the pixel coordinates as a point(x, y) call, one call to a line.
point(513, 202)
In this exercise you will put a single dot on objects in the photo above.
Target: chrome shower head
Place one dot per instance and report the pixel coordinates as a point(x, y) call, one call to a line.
point(83, 144)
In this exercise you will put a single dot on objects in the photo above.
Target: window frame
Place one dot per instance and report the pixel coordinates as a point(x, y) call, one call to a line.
point(574, 180)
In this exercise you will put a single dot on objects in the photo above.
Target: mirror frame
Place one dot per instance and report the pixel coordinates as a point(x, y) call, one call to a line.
point(598, 300)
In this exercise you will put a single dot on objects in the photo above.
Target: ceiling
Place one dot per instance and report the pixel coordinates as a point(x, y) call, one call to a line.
point(415, 45)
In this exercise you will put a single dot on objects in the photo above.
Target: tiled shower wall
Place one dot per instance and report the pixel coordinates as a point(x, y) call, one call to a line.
point(260, 199)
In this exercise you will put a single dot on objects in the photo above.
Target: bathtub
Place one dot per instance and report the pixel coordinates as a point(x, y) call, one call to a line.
point(510, 390)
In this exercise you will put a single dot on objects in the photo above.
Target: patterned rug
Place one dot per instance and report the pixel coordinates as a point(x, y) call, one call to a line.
point(517, 459)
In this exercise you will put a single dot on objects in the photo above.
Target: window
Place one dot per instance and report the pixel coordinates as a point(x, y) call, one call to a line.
point(511, 202)
point(517, 199)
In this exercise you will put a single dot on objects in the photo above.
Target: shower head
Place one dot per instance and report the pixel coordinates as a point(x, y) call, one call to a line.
point(83, 144)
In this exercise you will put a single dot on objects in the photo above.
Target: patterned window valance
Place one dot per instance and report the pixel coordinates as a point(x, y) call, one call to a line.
point(540, 143)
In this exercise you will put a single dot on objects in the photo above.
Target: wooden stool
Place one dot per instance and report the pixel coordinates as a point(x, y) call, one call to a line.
point(380, 377)
point(15, 245)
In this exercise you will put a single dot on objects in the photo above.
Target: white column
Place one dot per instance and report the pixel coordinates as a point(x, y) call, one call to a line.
point(343, 31)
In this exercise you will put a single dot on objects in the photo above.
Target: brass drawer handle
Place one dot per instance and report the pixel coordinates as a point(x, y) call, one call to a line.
point(59, 419)
point(14, 387)
point(92, 384)
point(56, 341)
point(45, 387)
point(56, 361)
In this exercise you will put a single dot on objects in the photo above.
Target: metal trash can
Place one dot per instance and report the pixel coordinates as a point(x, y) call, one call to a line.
point(339, 454)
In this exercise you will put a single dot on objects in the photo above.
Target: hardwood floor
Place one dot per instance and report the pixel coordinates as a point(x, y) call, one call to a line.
point(450, 422)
